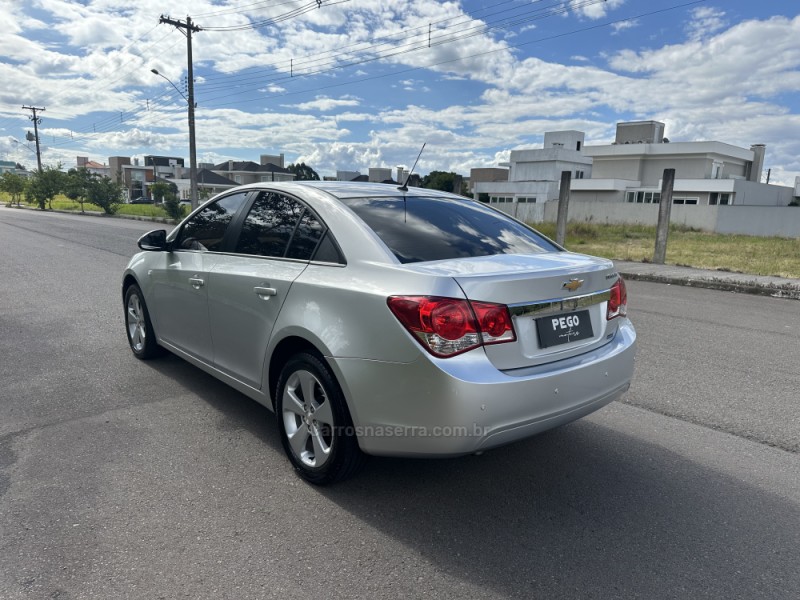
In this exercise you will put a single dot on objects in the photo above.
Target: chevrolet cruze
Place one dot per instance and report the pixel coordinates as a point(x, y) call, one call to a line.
point(380, 320)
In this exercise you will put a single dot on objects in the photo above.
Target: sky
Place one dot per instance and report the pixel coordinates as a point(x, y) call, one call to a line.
point(353, 84)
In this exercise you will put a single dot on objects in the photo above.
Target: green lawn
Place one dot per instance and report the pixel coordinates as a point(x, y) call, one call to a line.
point(135, 210)
point(740, 253)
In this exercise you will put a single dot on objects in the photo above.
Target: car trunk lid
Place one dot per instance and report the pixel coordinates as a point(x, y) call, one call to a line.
point(557, 301)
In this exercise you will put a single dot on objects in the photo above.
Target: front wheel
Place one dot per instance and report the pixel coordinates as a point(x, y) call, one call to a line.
point(141, 337)
point(315, 426)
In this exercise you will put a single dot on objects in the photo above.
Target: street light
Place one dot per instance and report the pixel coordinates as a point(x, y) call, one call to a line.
point(16, 141)
point(192, 144)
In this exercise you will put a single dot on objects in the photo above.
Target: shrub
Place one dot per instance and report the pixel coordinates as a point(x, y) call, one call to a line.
point(172, 206)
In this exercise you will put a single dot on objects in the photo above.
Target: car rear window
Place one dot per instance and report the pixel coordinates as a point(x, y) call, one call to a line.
point(422, 229)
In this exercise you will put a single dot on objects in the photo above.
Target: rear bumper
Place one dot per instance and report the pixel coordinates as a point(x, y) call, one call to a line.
point(449, 407)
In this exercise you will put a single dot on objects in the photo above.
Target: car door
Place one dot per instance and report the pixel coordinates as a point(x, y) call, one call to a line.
point(248, 287)
point(180, 286)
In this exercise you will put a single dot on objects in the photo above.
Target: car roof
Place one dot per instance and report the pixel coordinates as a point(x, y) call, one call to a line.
point(353, 189)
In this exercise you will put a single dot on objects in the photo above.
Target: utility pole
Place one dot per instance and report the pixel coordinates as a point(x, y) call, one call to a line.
point(36, 120)
point(187, 28)
point(563, 208)
point(664, 210)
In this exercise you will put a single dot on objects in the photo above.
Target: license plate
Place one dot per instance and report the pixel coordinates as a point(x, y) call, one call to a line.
point(562, 329)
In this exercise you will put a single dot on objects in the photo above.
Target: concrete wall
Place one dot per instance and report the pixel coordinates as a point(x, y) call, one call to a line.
point(621, 168)
point(597, 196)
point(763, 221)
point(541, 190)
point(685, 168)
point(758, 220)
point(550, 169)
point(650, 132)
point(528, 212)
point(752, 193)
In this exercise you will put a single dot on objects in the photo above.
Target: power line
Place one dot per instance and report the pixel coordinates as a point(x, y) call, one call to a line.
point(395, 73)
point(112, 119)
point(406, 48)
point(306, 8)
point(238, 10)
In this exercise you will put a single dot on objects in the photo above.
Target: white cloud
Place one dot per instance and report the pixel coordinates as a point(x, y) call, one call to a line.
point(705, 21)
point(324, 104)
point(594, 10)
point(93, 68)
point(623, 25)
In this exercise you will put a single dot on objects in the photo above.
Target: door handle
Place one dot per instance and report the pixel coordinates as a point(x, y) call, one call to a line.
point(196, 282)
point(265, 292)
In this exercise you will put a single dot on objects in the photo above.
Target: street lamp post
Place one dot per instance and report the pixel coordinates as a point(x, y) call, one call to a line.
point(192, 143)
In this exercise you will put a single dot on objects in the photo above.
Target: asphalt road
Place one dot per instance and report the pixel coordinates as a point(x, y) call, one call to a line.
point(125, 479)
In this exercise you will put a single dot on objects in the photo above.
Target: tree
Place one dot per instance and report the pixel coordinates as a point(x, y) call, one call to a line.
point(44, 185)
point(105, 193)
point(303, 172)
point(161, 189)
point(76, 184)
point(439, 180)
point(172, 205)
point(13, 185)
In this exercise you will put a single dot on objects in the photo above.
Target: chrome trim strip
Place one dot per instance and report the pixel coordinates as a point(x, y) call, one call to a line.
point(552, 307)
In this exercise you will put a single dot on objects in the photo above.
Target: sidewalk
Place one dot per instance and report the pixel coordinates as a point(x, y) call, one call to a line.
point(777, 287)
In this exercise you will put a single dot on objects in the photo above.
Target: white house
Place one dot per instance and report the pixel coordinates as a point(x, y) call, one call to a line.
point(534, 176)
point(706, 172)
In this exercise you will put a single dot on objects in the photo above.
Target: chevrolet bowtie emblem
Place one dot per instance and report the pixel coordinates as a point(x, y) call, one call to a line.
point(572, 284)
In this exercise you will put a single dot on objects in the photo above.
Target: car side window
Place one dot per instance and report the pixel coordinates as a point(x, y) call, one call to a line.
point(328, 252)
point(269, 225)
point(306, 237)
point(206, 230)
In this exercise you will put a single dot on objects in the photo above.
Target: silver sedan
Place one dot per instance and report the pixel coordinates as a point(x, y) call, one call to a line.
point(378, 320)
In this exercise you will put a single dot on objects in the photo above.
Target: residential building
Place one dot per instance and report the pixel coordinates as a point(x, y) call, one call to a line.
point(167, 167)
point(134, 178)
point(402, 175)
point(706, 172)
point(243, 172)
point(347, 175)
point(94, 167)
point(534, 176)
point(380, 174)
point(486, 175)
point(209, 184)
point(273, 159)
point(8, 166)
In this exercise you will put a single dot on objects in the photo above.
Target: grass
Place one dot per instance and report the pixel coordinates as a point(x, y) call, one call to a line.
point(738, 253)
point(134, 210)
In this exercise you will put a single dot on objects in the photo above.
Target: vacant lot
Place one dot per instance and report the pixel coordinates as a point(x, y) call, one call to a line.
point(741, 253)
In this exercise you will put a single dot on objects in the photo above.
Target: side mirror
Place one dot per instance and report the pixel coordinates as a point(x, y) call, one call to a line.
point(154, 240)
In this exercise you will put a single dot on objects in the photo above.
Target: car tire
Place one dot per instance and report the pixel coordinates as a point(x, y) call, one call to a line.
point(315, 426)
point(138, 326)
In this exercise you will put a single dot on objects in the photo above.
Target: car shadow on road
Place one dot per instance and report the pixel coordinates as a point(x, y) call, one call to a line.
point(236, 410)
point(584, 511)
point(581, 511)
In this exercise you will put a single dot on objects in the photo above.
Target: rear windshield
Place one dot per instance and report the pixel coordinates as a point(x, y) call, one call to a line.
point(421, 229)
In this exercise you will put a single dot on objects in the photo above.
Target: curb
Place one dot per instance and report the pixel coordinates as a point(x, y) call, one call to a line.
point(787, 291)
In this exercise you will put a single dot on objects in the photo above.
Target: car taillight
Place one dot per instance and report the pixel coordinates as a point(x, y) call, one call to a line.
point(449, 326)
point(618, 302)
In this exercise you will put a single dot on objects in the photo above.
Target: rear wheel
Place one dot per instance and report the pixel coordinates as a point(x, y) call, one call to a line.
point(141, 337)
point(314, 423)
